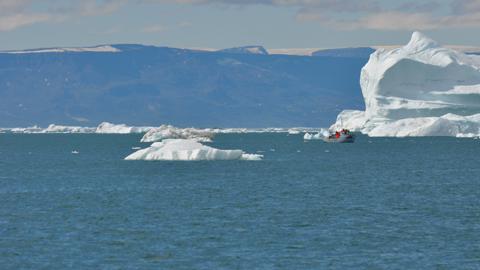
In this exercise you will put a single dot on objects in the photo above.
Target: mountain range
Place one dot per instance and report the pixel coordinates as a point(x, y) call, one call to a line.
point(149, 85)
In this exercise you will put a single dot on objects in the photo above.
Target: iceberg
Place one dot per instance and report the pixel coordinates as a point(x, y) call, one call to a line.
point(421, 89)
point(32, 129)
point(351, 119)
point(188, 150)
point(318, 136)
point(103, 128)
point(171, 132)
point(109, 128)
point(312, 136)
point(50, 129)
point(293, 131)
point(446, 125)
point(67, 129)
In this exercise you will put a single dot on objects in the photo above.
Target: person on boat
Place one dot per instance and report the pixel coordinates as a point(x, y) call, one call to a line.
point(337, 134)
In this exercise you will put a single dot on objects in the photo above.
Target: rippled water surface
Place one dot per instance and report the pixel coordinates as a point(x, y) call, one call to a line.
point(376, 204)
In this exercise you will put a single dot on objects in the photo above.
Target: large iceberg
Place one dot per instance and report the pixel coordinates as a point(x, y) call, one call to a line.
point(421, 89)
point(188, 150)
point(171, 132)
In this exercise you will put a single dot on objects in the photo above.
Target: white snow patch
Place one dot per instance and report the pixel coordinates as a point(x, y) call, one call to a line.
point(254, 50)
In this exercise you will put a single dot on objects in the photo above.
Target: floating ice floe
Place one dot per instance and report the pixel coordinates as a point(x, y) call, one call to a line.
point(171, 132)
point(316, 136)
point(312, 136)
point(188, 150)
point(109, 128)
point(421, 89)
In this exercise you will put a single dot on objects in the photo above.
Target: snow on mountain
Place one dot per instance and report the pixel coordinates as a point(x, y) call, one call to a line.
point(246, 50)
point(154, 85)
point(421, 89)
point(188, 150)
point(294, 51)
point(103, 48)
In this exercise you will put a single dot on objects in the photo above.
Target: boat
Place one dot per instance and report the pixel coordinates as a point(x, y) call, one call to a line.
point(342, 136)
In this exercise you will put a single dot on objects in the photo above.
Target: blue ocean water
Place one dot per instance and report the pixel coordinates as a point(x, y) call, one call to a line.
point(380, 203)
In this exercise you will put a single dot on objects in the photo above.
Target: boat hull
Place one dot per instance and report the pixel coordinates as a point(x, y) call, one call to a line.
point(341, 139)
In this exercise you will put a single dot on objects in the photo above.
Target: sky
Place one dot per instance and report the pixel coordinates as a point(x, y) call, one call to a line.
point(228, 23)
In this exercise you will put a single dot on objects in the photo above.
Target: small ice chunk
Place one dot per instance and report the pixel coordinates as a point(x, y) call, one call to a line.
point(318, 136)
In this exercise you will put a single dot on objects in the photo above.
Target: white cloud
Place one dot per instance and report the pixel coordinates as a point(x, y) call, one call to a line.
point(19, 13)
point(339, 14)
point(372, 14)
point(10, 22)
